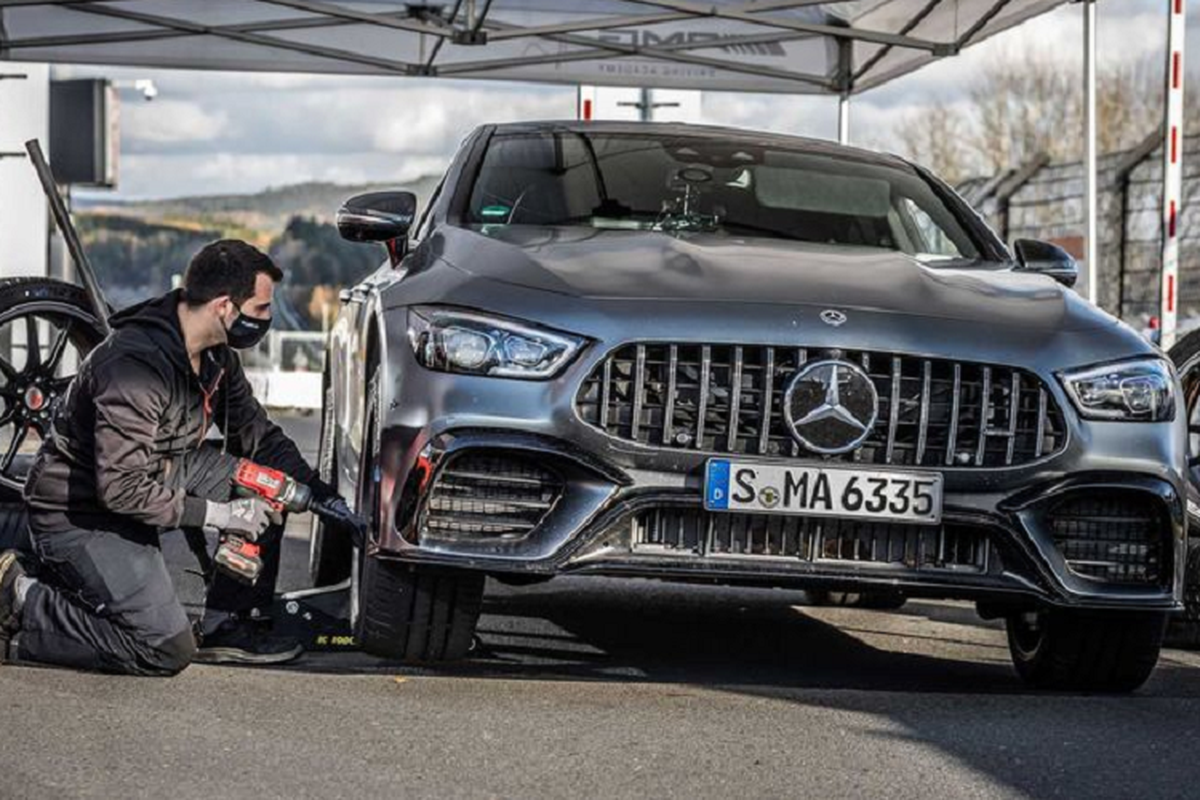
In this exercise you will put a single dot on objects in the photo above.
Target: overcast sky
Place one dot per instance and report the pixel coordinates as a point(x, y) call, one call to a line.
point(212, 133)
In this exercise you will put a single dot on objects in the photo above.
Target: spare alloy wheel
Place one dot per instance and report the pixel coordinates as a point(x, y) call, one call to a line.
point(46, 328)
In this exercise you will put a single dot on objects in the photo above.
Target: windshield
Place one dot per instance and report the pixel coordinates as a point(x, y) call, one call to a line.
point(698, 183)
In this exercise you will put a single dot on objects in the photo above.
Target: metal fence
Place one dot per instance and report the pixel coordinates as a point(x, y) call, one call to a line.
point(1041, 200)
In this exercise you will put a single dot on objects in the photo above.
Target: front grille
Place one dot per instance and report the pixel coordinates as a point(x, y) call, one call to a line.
point(493, 495)
point(1119, 536)
point(690, 531)
point(729, 399)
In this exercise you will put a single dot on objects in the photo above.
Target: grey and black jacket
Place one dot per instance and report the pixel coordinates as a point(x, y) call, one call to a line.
point(133, 411)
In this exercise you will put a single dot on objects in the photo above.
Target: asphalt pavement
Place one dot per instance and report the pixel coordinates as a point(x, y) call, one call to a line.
point(589, 687)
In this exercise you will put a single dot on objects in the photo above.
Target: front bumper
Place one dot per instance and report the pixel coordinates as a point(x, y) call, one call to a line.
point(998, 541)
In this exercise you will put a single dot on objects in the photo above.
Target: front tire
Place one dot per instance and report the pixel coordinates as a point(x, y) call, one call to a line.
point(408, 612)
point(1085, 651)
point(418, 614)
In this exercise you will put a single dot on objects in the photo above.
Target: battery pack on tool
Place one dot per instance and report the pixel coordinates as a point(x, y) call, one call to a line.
point(240, 559)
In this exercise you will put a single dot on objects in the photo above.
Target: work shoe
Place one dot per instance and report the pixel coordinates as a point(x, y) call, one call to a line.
point(244, 642)
point(10, 570)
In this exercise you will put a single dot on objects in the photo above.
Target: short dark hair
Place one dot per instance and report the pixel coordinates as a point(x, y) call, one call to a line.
point(226, 267)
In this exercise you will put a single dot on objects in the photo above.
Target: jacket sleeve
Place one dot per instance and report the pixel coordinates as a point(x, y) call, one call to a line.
point(251, 434)
point(131, 397)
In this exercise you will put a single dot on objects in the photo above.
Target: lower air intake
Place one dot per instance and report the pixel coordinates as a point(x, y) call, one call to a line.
point(698, 532)
point(490, 495)
point(1117, 537)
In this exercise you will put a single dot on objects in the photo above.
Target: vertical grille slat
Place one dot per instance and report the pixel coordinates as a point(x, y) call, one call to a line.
point(735, 403)
point(801, 360)
point(1041, 424)
point(926, 401)
point(669, 412)
point(893, 409)
point(702, 412)
point(952, 441)
point(729, 399)
point(767, 403)
point(605, 389)
point(639, 388)
point(1014, 407)
point(985, 409)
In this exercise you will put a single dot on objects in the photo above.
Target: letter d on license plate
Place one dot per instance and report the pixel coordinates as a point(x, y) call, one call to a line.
point(765, 488)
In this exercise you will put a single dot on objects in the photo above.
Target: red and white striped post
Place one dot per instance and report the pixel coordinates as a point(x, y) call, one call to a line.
point(585, 103)
point(1172, 203)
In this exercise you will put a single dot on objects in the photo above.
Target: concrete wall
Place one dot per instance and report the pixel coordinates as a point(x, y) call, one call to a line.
point(24, 114)
point(1049, 204)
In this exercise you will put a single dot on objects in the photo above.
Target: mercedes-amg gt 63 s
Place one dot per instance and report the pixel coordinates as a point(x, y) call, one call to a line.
point(718, 356)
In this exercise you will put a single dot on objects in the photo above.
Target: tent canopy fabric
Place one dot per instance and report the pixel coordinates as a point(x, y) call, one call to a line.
point(790, 46)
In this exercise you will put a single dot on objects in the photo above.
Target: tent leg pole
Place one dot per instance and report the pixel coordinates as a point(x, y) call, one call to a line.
point(1172, 205)
point(844, 118)
point(1091, 240)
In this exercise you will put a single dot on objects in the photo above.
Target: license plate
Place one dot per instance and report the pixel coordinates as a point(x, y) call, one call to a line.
point(822, 491)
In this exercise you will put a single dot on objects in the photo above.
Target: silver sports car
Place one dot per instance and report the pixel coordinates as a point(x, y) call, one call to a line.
point(718, 356)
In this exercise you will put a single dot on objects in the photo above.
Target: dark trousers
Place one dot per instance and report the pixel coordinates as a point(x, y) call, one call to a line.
point(104, 599)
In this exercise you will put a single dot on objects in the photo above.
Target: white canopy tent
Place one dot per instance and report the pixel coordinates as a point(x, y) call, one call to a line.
point(792, 46)
point(830, 47)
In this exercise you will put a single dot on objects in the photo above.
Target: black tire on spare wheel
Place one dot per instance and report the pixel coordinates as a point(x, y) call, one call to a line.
point(408, 612)
point(41, 321)
point(64, 311)
point(1085, 651)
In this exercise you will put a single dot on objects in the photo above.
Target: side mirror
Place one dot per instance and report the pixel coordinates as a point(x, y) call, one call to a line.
point(379, 217)
point(1046, 259)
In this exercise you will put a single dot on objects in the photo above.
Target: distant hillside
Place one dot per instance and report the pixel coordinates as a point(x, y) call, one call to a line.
point(137, 248)
point(257, 217)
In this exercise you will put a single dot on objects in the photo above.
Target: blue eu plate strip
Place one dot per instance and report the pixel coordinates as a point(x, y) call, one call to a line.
point(716, 487)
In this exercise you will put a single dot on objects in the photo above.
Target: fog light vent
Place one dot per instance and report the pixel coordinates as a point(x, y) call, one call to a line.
point(1118, 536)
point(490, 495)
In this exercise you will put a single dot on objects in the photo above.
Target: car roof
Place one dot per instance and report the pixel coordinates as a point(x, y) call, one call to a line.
point(721, 132)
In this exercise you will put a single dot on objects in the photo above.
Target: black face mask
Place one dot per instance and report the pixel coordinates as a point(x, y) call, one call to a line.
point(245, 332)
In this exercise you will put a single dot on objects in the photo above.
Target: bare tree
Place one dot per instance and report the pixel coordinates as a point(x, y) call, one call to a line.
point(1023, 106)
point(935, 136)
point(1129, 105)
point(1024, 103)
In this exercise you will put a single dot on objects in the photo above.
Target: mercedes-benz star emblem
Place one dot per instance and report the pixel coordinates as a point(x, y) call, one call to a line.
point(831, 316)
point(831, 406)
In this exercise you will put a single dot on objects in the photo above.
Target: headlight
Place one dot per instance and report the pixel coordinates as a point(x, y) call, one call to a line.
point(451, 340)
point(1136, 391)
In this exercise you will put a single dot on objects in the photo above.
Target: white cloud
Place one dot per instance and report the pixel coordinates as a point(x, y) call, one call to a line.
point(436, 119)
point(172, 121)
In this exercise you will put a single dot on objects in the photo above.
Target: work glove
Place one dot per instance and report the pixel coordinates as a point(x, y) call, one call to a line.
point(246, 517)
point(334, 510)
